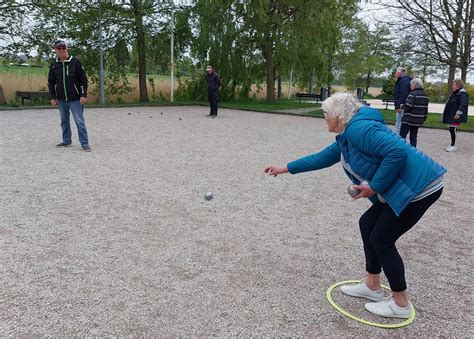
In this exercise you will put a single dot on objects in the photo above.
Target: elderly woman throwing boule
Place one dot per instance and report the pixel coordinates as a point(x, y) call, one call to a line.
point(400, 181)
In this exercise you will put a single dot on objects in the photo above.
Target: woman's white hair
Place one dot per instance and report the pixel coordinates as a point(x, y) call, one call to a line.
point(416, 83)
point(342, 106)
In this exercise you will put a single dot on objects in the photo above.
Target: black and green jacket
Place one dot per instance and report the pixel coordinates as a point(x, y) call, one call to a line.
point(67, 81)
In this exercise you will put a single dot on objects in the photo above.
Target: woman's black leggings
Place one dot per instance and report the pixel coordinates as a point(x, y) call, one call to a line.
point(452, 131)
point(380, 229)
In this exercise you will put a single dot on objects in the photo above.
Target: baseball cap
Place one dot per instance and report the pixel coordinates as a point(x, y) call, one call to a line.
point(59, 42)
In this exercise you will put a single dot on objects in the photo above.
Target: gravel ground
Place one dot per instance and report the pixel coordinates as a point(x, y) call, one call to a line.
point(121, 242)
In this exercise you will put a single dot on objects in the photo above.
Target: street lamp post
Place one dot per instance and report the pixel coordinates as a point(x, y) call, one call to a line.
point(101, 60)
point(172, 55)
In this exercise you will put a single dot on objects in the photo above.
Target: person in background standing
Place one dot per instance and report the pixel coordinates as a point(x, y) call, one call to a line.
point(455, 111)
point(213, 83)
point(67, 84)
point(415, 111)
point(400, 94)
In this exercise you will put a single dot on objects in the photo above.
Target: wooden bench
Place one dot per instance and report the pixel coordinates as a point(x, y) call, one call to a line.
point(41, 96)
point(387, 102)
point(308, 96)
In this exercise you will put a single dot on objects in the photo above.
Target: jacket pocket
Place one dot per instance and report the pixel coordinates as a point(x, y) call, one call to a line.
point(398, 195)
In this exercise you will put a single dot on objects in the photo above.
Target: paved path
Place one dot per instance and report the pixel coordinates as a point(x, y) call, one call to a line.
point(376, 103)
point(432, 107)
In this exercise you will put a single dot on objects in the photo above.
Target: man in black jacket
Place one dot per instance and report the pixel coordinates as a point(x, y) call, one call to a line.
point(213, 84)
point(67, 84)
point(400, 94)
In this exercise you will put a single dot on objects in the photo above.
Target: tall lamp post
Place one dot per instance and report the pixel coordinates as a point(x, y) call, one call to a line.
point(101, 60)
point(172, 54)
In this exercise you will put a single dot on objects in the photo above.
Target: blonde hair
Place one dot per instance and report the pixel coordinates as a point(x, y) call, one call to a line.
point(342, 106)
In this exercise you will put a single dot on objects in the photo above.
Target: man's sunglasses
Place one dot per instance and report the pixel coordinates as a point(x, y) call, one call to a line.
point(61, 48)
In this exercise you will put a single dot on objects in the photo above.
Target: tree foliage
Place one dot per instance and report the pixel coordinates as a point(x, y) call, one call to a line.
point(440, 32)
point(365, 55)
point(248, 40)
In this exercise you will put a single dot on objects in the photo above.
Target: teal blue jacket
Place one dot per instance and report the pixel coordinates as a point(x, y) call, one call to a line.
point(395, 170)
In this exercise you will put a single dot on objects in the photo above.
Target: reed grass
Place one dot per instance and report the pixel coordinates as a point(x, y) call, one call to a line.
point(23, 81)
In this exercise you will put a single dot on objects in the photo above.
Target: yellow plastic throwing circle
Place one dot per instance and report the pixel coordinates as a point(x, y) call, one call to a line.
point(363, 321)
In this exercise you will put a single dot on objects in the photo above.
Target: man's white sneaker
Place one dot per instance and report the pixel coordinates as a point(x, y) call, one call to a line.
point(388, 309)
point(451, 149)
point(362, 291)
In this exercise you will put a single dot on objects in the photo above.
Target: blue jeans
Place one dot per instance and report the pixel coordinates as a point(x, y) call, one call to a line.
point(398, 121)
point(77, 111)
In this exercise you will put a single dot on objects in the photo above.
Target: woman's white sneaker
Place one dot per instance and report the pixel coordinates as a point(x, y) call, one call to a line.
point(451, 149)
point(389, 309)
point(362, 291)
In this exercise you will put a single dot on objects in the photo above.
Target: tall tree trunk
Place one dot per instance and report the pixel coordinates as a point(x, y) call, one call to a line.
point(330, 76)
point(451, 74)
point(453, 48)
point(141, 49)
point(279, 87)
point(268, 54)
point(368, 82)
point(310, 83)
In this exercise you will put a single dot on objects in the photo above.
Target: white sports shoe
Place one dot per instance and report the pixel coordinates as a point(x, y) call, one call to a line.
point(362, 291)
point(389, 309)
point(451, 149)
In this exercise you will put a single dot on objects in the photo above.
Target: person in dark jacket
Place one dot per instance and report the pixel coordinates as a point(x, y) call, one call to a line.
point(67, 84)
point(401, 182)
point(455, 111)
point(415, 111)
point(400, 94)
point(213, 84)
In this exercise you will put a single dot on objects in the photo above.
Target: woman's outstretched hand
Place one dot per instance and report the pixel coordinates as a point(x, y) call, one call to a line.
point(275, 170)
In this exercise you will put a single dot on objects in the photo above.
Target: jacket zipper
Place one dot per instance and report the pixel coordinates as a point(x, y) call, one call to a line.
point(64, 82)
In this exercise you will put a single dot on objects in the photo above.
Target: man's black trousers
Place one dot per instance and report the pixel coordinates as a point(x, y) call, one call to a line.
point(213, 97)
